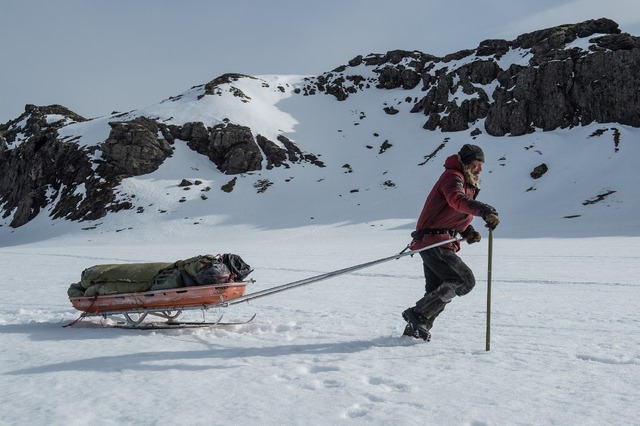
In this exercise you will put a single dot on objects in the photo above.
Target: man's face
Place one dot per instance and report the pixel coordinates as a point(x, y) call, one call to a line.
point(475, 167)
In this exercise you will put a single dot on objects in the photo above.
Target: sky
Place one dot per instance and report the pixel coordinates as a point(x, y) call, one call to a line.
point(103, 56)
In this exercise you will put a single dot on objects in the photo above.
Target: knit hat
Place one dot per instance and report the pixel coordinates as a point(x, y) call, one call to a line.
point(469, 152)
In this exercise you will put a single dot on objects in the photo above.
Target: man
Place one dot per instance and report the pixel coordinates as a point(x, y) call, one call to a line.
point(449, 209)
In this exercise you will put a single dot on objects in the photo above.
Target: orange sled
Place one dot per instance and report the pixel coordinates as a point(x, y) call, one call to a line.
point(167, 304)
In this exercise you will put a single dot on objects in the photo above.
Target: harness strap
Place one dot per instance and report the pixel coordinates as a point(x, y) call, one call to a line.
point(417, 235)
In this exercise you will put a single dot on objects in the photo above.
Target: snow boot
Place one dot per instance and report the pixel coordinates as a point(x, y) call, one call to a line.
point(416, 325)
point(409, 331)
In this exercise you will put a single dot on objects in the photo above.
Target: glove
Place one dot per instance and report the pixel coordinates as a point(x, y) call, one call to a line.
point(491, 219)
point(471, 235)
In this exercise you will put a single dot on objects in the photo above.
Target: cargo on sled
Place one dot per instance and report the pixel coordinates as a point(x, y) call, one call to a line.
point(165, 290)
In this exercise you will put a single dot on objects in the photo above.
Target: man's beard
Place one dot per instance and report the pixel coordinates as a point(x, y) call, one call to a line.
point(471, 178)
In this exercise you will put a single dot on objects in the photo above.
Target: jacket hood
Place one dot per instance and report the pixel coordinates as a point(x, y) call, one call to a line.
point(453, 162)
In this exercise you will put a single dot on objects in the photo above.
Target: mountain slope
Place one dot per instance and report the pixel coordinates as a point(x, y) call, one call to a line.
point(362, 143)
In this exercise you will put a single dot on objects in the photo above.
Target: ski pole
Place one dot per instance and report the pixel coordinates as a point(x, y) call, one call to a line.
point(311, 280)
point(488, 343)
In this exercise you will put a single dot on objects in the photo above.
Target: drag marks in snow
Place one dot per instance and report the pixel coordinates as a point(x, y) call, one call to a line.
point(76, 256)
point(620, 360)
point(564, 282)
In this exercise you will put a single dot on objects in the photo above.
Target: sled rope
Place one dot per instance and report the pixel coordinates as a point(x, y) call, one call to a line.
point(84, 314)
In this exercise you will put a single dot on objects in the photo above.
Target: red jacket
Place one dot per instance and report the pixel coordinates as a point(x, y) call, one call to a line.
point(450, 205)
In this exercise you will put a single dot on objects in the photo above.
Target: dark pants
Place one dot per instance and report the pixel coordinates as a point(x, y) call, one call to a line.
point(442, 266)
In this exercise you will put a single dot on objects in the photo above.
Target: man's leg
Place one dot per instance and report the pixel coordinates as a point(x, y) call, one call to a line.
point(455, 278)
point(432, 282)
point(417, 325)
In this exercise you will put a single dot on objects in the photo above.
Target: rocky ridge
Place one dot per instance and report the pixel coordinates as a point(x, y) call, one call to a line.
point(553, 85)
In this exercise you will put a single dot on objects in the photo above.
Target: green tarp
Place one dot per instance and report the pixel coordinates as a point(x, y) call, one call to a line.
point(133, 277)
point(108, 279)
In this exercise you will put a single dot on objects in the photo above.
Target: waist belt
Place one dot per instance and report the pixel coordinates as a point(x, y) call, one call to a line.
point(417, 235)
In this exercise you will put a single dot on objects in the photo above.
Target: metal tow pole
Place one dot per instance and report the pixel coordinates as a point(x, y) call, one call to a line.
point(488, 345)
point(311, 280)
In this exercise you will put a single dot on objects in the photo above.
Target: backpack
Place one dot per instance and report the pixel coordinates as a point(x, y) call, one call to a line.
point(237, 266)
point(213, 272)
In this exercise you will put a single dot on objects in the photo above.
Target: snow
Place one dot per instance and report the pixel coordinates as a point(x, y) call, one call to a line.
point(517, 56)
point(564, 342)
point(564, 326)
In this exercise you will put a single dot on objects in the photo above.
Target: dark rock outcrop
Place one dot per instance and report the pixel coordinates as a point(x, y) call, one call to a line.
point(276, 156)
point(37, 168)
point(37, 120)
point(558, 86)
point(233, 149)
point(40, 169)
point(132, 149)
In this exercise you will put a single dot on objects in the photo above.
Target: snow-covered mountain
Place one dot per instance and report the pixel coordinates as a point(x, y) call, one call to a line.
point(362, 143)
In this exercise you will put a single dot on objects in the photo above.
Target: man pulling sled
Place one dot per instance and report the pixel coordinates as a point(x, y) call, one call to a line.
point(448, 210)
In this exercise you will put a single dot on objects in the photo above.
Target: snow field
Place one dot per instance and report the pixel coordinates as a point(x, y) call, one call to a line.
point(564, 346)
